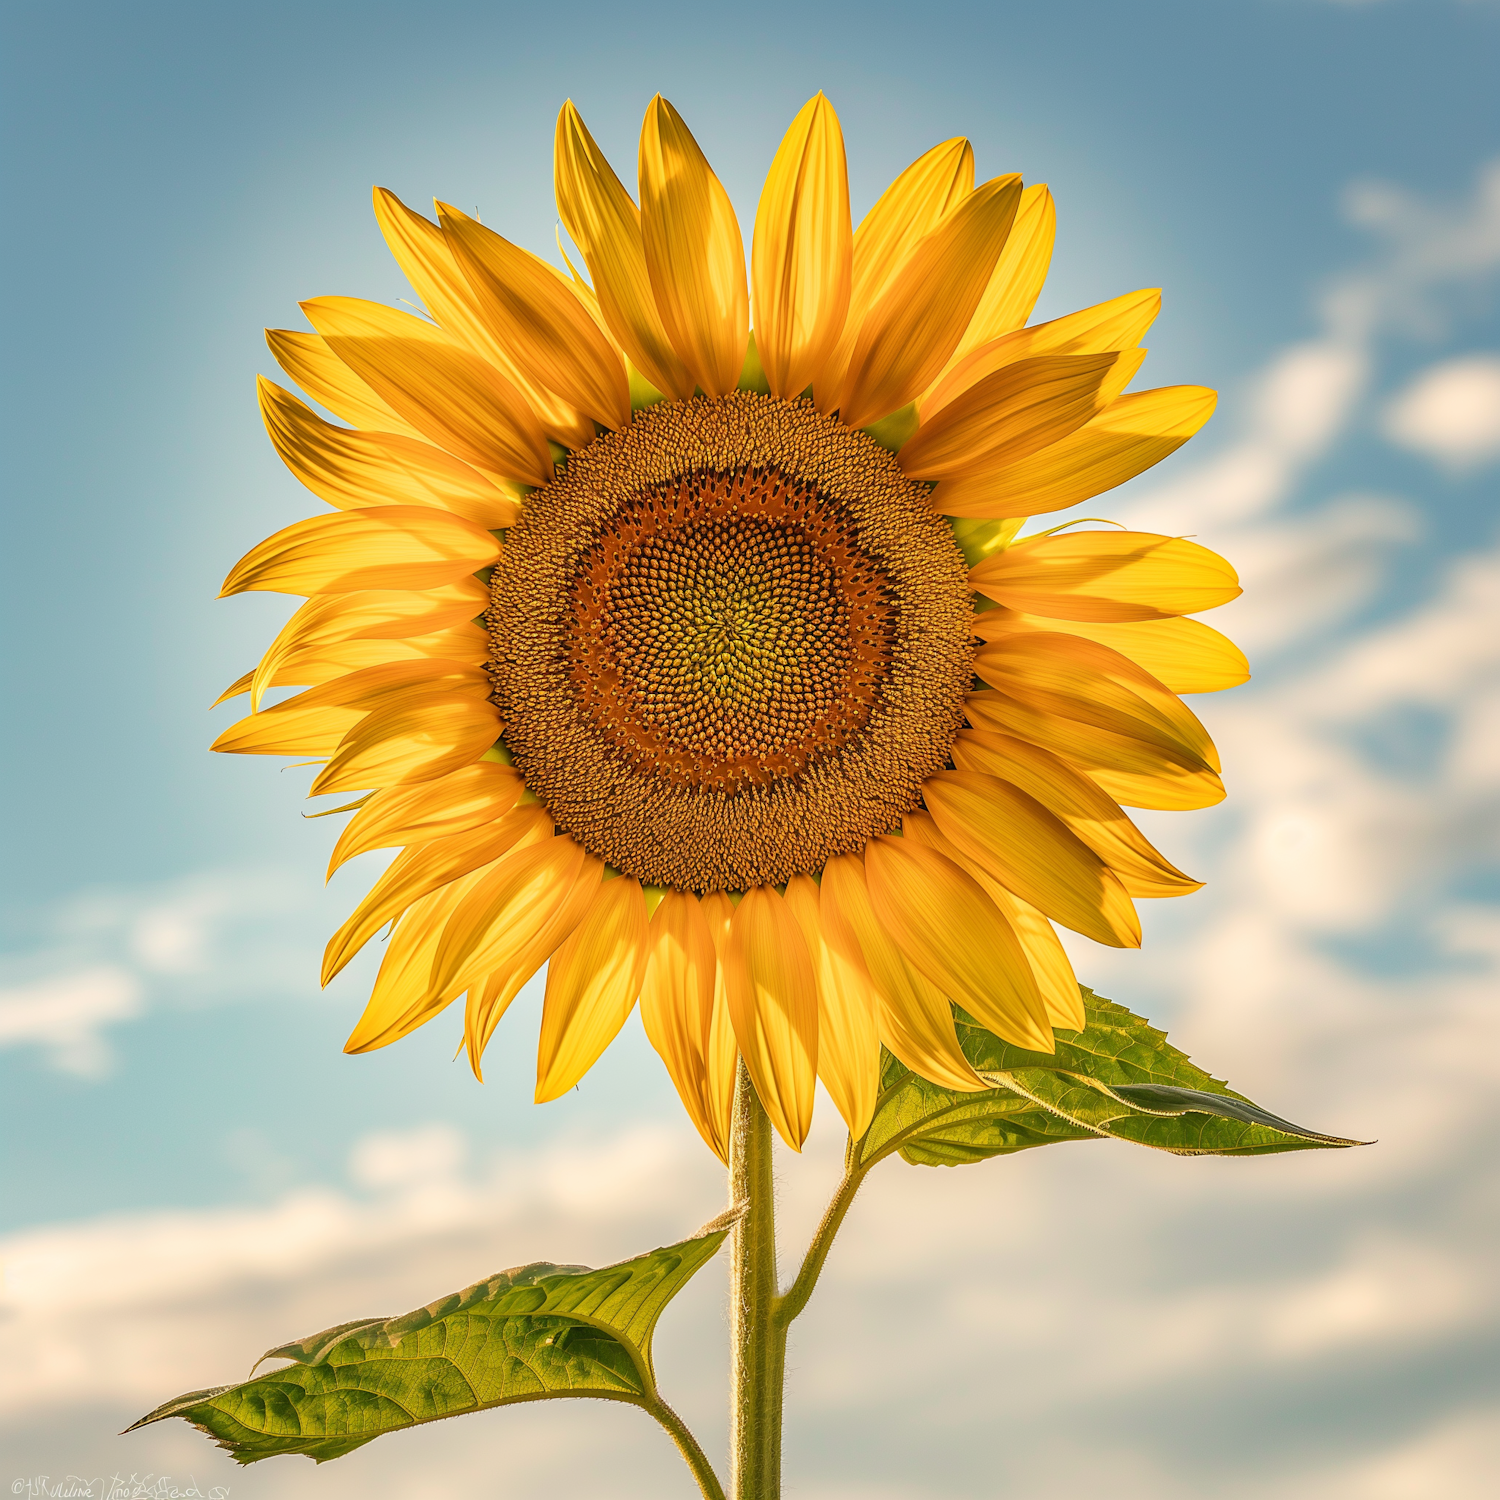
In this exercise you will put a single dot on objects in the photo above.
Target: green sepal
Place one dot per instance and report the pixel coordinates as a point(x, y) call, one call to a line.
point(529, 1334)
point(752, 372)
point(642, 392)
point(892, 431)
point(979, 539)
point(1117, 1078)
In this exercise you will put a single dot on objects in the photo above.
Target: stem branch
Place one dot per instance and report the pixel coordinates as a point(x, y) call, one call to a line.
point(687, 1445)
point(795, 1298)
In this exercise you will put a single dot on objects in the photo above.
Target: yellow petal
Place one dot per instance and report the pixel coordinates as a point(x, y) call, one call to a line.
point(593, 980)
point(1078, 679)
point(948, 929)
point(311, 665)
point(1019, 273)
point(427, 259)
point(909, 209)
point(1076, 800)
point(402, 997)
point(723, 1048)
point(1124, 440)
point(332, 384)
point(1018, 410)
point(915, 1018)
point(1107, 576)
point(1049, 962)
point(801, 260)
point(470, 797)
point(1135, 772)
point(354, 470)
point(385, 547)
point(505, 911)
point(1108, 328)
point(773, 1003)
point(333, 619)
point(534, 313)
point(909, 334)
point(451, 395)
point(848, 1030)
point(420, 738)
point(303, 724)
point(677, 1008)
point(416, 871)
point(1185, 656)
point(603, 221)
point(694, 254)
point(1031, 853)
point(534, 941)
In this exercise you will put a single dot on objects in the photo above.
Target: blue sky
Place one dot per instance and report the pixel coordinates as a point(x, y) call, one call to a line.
point(1316, 186)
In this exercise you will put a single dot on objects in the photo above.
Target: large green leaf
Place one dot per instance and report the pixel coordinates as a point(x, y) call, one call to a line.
point(528, 1334)
point(1118, 1077)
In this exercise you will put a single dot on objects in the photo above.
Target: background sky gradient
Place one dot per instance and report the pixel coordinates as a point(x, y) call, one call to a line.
point(193, 1171)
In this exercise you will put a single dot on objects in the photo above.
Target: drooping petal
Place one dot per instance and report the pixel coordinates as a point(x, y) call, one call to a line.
point(848, 1029)
point(909, 334)
point(677, 1007)
point(356, 470)
point(332, 384)
point(451, 395)
point(1107, 576)
point(916, 1018)
point(773, 1003)
point(419, 738)
point(384, 547)
point(534, 313)
point(1108, 328)
point(1185, 656)
point(1049, 962)
point(1078, 679)
point(1018, 276)
point(909, 209)
point(593, 981)
point(530, 946)
point(694, 254)
point(949, 930)
point(303, 723)
point(603, 221)
point(423, 868)
point(470, 797)
point(1076, 800)
point(1019, 410)
point(505, 911)
point(1135, 772)
point(803, 251)
point(723, 1048)
point(403, 998)
point(1032, 853)
point(423, 253)
point(1124, 440)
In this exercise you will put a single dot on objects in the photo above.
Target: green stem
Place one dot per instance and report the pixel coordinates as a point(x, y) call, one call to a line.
point(687, 1445)
point(757, 1338)
point(795, 1298)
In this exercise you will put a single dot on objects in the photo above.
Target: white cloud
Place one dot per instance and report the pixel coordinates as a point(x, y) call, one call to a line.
point(66, 1016)
point(1451, 413)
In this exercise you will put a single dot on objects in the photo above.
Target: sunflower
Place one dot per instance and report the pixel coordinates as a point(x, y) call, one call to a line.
point(708, 667)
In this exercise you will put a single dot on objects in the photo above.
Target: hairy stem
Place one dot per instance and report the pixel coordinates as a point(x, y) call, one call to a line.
point(757, 1338)
point(788, 1306)
point(687, 1445)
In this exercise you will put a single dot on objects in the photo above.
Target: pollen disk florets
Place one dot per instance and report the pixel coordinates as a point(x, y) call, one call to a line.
point(729, 642)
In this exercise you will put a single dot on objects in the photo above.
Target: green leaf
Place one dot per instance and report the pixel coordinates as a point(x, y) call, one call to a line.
point(529, 1334)
point(1119, 1077)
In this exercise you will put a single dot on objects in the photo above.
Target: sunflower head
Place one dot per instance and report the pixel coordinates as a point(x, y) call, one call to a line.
point(709, 667)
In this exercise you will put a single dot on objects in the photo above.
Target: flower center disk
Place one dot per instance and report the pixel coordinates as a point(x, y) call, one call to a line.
point(729, 642)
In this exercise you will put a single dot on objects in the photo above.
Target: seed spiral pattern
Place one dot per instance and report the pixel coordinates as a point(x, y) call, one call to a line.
point(729, 642)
